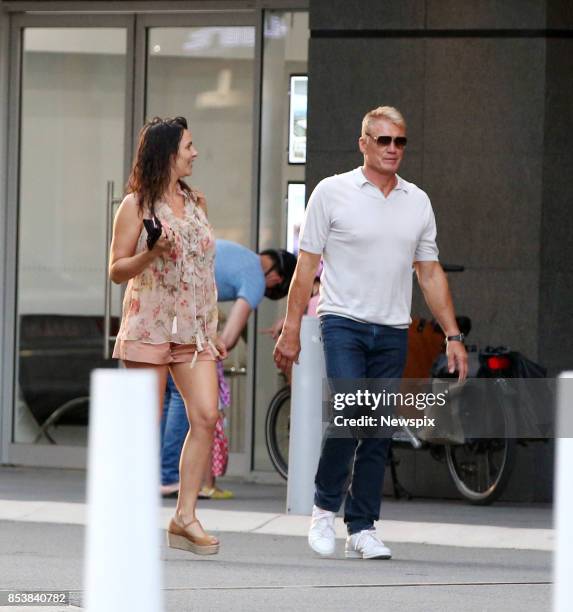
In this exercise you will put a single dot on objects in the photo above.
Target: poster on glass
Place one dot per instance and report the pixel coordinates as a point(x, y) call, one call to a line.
point(295, 214)
point(297, 119)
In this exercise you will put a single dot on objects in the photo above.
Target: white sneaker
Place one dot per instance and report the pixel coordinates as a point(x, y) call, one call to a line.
point(321, 535)
point(366, 545)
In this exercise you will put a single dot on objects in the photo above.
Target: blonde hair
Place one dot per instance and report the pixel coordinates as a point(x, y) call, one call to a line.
point(383, 112)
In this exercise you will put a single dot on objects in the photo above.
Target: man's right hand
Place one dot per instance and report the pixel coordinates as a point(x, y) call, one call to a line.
point(287, 350)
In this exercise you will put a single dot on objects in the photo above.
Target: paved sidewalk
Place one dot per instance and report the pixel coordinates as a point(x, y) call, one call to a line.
point(446, 555)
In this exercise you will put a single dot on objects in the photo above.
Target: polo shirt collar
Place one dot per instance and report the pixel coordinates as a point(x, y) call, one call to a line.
point(361, 180)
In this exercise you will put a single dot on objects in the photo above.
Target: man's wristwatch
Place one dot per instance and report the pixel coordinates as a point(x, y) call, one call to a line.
point(456, 338)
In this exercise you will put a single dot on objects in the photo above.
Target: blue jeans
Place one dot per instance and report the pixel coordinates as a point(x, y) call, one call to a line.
point(356, 350)
point(174, 428)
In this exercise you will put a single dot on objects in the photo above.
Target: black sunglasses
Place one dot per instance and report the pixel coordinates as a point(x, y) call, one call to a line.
point(384, 141)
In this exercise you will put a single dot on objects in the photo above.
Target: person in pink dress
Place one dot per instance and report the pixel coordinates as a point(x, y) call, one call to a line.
point(169, 320)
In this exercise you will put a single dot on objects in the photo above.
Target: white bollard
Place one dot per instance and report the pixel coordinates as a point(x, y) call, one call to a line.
point(305, 419)
point(563, 503)
point(122, 563)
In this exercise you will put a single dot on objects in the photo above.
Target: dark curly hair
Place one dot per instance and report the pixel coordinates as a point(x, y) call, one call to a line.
point(158, 143)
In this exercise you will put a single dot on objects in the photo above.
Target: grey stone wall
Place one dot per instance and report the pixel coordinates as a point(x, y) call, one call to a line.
point(555, 330)
point(487, 90)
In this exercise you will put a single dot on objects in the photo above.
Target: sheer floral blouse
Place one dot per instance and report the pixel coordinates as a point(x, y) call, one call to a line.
point(175, 298)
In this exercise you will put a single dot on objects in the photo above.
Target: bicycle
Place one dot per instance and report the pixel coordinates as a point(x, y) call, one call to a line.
point(277, 430)
point(479, 467)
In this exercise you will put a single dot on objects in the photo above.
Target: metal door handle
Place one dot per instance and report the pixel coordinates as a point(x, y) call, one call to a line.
point(234, 371)
point(111, 201)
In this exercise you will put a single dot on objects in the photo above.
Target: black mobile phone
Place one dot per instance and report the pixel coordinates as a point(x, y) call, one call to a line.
point(153, 228)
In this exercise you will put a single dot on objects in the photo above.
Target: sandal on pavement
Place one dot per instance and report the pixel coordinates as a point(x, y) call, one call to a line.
point(181, 536)
point(215, 493)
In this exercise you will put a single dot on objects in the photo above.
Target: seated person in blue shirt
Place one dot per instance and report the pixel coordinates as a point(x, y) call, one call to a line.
point(243, 277)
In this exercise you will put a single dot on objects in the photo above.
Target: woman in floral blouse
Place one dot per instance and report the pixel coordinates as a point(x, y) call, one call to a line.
point(169, 320)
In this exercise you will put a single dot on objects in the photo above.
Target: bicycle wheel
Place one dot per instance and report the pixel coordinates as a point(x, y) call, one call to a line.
point(480, 468)
point(277, 430)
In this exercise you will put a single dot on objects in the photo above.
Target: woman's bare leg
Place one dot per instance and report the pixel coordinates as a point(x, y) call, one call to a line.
point(162, 372)
point(208, 478)
point(200, 391)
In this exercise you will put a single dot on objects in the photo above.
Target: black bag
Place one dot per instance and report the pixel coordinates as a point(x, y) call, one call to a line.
point(535, 398)
point(522, 367)
point(154, 229)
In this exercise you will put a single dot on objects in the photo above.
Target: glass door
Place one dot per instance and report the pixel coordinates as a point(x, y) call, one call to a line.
point(202, 67)
point(74, 95)
point(81, 88)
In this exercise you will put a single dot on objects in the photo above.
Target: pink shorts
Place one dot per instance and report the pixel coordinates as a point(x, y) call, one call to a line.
point(160, 354)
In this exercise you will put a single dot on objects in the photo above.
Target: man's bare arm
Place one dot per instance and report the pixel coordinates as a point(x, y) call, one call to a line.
point(236, 321)
point(287, 348)
point(434, 285)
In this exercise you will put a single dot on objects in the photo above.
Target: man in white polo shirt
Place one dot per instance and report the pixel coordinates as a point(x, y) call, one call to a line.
point(372, 228)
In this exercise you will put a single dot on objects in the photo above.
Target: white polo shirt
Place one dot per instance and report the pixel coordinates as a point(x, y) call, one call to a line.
point(369, 244)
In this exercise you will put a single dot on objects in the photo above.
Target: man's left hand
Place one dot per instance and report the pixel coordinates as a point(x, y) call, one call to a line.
point(457, 359)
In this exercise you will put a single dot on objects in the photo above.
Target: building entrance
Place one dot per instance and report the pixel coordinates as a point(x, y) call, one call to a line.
point(86, 85)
